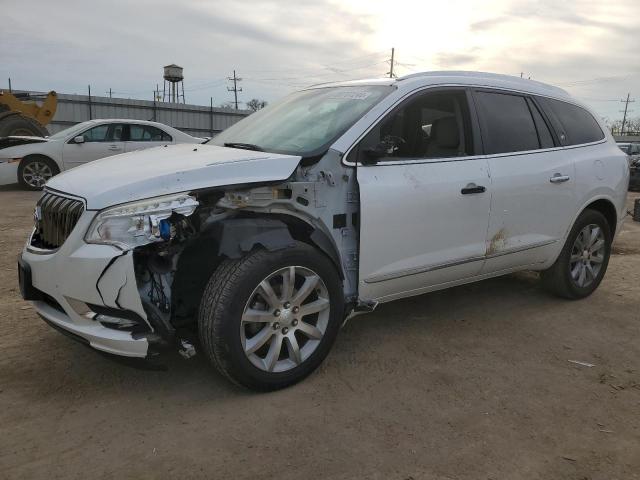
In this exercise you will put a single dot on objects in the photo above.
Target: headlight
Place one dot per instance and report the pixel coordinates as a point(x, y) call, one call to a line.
point(138, 223)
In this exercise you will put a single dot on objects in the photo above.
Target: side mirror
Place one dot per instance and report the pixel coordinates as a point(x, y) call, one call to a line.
point(78, 139)
point(383, 149)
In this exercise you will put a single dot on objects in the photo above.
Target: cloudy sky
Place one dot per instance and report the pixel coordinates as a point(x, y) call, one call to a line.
point(591, 48)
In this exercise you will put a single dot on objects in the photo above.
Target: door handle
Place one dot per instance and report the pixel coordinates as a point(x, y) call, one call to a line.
point(114, 148)
point(472, 188)
point(559, 178)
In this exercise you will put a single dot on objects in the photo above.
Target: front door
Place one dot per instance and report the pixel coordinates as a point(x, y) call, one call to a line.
point(424, 198)
point(99, 142)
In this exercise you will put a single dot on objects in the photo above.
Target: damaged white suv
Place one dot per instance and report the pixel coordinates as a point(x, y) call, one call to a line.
point(340, 197)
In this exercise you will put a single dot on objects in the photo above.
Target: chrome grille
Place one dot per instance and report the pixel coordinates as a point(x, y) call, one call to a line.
point(55, 218)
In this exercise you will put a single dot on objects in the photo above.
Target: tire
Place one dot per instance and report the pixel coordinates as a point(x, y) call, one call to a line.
point(35, 170)
point(17, 124)
point(561, 279)
point(226, 301)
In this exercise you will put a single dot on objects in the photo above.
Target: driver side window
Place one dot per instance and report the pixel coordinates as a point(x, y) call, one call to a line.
point(428, 125)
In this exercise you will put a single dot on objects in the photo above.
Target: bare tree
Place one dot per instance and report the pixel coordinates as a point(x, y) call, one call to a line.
point(256, 104)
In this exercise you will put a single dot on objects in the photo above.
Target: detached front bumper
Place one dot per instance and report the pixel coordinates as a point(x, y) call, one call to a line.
point(78, 286)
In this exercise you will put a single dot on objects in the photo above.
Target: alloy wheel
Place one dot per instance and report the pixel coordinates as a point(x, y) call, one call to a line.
point(587, 254)
point(285, 319)
point(36, 174)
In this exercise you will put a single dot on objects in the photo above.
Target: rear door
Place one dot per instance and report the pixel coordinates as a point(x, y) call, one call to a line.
point(533, 197)
point(146, 136)
point(99, 141)
point(424, 204)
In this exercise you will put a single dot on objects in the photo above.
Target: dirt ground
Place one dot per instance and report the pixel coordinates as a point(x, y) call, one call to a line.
point(470, 383)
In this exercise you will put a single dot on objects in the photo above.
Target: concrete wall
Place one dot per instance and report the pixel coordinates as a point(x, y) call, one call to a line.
point(196, 120)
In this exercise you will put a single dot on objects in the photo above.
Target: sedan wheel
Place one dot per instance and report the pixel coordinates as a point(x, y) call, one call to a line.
point(36, 174)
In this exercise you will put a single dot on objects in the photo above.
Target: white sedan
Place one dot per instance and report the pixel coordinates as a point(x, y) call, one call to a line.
point(32, 161)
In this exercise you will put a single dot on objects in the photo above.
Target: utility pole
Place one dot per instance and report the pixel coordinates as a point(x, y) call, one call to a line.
point(624, 117)
point(9, 84)
point(235, 88)
point(109, 92)
point(392, 55)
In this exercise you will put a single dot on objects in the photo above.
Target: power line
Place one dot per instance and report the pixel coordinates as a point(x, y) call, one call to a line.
point(235, 89)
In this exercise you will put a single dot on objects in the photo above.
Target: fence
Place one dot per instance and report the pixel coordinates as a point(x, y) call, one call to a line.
point(197, 120)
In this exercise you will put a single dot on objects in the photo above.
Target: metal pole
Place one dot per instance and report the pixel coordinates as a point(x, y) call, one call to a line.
point(90, 112)
point(392, 55)
point(9, 84)
point(110, 93)
point(211, 117)
point(154, 106)
point(235, 88)
point(624, 118)
point(183, 99)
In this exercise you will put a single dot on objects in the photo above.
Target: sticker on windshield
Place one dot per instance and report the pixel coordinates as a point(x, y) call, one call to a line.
point(350, 94)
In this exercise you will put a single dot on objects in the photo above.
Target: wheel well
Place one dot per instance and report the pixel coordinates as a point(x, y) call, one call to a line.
point(204, 253)
point(606, 208)
point(40, 155)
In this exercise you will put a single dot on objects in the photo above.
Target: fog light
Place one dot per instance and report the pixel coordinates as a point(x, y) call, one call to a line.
point(115, 322)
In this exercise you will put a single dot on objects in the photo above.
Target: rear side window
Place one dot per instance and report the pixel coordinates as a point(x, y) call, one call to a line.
point(147, 133)
point(576, 125)
point(506, 123)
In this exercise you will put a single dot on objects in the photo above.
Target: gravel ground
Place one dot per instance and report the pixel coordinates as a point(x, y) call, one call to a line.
point(469, 383)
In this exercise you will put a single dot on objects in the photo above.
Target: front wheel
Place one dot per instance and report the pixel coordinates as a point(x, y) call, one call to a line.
point(267, 320)
point(35, 170)
point(583, 261)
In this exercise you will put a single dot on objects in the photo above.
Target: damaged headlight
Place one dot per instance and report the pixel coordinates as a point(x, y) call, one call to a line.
point(138, 223)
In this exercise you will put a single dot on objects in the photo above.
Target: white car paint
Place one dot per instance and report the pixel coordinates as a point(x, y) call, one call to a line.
point(175, 168)
point(416, 232)
point(67, 154)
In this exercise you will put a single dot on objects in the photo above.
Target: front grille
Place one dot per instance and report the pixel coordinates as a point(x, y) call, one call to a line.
point(56, 216)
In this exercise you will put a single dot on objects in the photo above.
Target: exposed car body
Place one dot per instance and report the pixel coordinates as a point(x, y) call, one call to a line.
point(322, 206)
point(32, 161)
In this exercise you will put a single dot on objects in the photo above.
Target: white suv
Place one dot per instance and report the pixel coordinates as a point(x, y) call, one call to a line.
point(322, 206)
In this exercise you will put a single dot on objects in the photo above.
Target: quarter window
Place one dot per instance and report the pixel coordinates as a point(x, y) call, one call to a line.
point(577, 124)
point(506, 123)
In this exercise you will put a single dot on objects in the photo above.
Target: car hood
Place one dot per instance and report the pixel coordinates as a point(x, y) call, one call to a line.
point(169, 169)
point(17, 140)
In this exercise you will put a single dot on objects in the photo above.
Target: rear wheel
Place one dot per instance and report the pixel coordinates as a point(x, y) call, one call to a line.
point(583, 261)
point(34, 171)
point(268, 320)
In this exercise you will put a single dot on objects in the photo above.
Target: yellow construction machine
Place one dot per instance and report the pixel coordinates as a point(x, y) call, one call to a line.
point(20, 114)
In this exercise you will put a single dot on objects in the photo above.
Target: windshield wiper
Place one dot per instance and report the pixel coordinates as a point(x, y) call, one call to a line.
point(244, 146)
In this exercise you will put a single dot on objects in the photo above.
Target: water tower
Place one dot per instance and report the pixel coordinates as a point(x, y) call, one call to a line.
point(175, 80)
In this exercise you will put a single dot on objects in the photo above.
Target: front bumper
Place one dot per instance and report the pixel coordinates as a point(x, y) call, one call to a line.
point(8, 172)
point(78, 278)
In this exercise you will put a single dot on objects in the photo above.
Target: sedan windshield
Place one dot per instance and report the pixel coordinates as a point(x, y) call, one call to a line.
point(305, 123)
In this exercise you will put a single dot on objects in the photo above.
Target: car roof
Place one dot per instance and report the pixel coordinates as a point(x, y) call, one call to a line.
point(465, 78)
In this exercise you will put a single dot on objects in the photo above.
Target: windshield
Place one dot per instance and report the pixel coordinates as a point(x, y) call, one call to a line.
point(62, 134)
point(305, 123)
